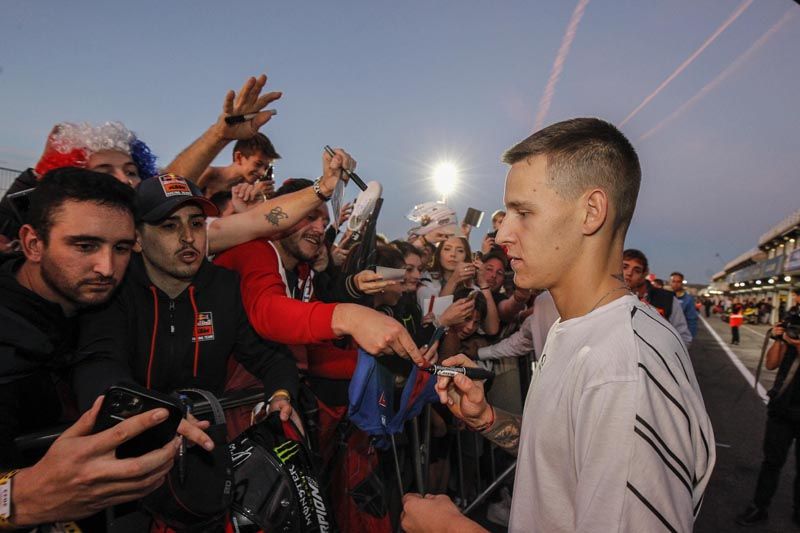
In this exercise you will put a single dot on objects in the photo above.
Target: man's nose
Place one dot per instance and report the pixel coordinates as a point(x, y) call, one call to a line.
point(104, 263)
point(187, 235)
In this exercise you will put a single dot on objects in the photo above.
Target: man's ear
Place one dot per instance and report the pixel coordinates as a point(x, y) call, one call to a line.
point(237, 157)
point(32, 245)
point(596, 211)
point(137, 246)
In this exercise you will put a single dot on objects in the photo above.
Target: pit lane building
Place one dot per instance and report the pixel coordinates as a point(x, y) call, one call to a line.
point(770, 270)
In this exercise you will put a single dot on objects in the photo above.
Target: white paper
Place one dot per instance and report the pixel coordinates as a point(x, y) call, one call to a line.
point(336, 202)
point(440, 304)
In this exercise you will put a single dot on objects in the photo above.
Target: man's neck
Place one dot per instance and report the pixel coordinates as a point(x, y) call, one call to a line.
point(680, 293)
point(171, 286)
point(594, 281)
point(29, 276)
point(289, 261)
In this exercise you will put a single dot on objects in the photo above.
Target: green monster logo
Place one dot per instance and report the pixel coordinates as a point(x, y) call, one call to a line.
point(287, 450)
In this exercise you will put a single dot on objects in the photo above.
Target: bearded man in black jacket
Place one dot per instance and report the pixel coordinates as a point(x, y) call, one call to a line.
point(76, 245)
point(177, 319)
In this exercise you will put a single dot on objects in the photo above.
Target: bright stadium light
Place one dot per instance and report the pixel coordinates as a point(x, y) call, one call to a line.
point(445, 178)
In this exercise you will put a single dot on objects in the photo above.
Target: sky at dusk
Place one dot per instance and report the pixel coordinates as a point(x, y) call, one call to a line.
point(403, 85)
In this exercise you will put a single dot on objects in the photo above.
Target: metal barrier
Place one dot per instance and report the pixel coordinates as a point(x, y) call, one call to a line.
point(420, 444)
point(7, 177)
point(41, 439)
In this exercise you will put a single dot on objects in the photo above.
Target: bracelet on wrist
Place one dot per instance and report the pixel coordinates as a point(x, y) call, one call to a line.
point(5, 497)
point(318, 191)
point(280, 394)
point(486, 426)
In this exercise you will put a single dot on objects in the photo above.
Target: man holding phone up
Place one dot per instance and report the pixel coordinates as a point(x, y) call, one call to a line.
point(252, 163)
point(177, 318)
point(76, 248)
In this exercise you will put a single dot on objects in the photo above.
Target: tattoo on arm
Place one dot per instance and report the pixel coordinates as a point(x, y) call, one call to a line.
point(618, 277)
point(276, 215)
point(505, 431)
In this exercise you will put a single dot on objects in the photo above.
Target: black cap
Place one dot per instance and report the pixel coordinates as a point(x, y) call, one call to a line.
point(159, 196)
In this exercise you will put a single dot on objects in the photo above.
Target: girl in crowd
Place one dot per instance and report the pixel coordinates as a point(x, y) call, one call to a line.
point(452, 269)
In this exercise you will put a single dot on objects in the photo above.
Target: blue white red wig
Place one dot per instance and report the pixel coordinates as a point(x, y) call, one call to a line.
point(71, 145)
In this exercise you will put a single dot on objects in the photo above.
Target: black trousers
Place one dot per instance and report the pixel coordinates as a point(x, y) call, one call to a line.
point(734, 334)
point(778, 438)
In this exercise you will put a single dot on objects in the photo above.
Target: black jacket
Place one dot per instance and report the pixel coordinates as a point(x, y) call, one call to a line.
point(167, 344)
point(36, 339)
point(661, 299)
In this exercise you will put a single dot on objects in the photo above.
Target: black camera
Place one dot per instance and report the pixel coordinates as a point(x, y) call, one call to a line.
point(791, 324)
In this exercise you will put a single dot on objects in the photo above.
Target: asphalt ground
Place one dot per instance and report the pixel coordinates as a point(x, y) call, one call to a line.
point(738, 414)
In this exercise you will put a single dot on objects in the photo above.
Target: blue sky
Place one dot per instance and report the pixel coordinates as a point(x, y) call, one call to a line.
point(403, 85)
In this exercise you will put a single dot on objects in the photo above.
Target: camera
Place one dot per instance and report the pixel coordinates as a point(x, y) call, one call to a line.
point(791, 324)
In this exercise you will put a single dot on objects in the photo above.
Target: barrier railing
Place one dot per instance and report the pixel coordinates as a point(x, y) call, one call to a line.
point(420, 444)
point(7, 177)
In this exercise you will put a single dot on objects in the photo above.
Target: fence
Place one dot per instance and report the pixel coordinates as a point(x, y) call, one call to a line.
point(7, 177)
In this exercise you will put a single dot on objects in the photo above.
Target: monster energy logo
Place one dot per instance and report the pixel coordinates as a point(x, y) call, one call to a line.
point(287, 450)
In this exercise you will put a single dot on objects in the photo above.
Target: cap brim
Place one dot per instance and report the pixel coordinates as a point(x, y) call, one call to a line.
point(163, 211)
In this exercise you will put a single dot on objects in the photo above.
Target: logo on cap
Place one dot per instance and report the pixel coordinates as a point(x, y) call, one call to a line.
point(173, 185)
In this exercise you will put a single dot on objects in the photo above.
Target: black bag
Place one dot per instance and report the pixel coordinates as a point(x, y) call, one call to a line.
point(202, 501)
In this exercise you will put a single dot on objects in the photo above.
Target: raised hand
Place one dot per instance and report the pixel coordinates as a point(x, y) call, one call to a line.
point(249, 101)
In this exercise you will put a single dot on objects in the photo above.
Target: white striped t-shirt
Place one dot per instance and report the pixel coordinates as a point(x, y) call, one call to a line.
point(615, 435)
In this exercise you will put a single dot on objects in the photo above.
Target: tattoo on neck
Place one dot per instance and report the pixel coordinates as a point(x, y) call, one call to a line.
point(275, 216)
point(505, 431)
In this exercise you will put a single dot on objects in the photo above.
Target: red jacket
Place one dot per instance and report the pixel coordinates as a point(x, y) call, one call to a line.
point(272, 312)
point(304, 325)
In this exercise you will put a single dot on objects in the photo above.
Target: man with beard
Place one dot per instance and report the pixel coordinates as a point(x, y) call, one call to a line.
point(279, 298)
point(76, 245)
point(614, 434)
point(177, 318)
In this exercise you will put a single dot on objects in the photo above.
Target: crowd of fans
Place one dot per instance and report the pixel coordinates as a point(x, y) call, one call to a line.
point(224, 278)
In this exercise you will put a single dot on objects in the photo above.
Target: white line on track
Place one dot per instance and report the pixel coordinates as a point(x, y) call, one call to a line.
point(762, 393)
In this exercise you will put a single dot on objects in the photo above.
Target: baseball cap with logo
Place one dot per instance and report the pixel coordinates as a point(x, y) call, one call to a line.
point(156, 198)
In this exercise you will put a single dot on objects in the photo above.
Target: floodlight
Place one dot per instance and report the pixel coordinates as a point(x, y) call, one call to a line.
point(445, 178)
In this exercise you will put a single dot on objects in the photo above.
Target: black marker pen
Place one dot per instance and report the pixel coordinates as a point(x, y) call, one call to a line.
point(350, 174)
point(452, 371)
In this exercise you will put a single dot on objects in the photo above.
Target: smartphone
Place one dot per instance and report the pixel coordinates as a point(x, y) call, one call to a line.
point(125, 400)
point(269, 174)
point(492, 234)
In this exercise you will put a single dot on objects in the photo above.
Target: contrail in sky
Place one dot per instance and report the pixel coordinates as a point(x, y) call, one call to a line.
point(558, 64)
point(733, 16)
point(733, 67)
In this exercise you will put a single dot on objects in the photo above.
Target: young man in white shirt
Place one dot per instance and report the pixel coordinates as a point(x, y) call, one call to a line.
point(614, 434)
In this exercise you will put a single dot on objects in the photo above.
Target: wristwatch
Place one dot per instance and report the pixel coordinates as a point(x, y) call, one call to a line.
point(318, 191)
